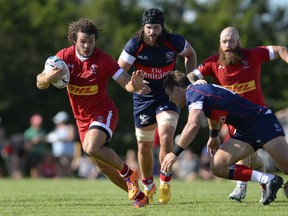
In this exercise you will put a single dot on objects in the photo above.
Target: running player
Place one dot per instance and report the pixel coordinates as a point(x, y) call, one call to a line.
point(154, 50)
point(95, 113)
point(239, 69)
point(257, 127)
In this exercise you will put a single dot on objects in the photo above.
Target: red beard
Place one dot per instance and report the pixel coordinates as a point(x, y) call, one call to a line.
point(230, 58)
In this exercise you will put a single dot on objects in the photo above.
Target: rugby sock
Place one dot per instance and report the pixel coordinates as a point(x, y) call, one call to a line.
point(148, 183)
point(126, 171)
point(240, 172)
point(241, 183)
point(262, 178)
point(165, 177)
point(140, 195)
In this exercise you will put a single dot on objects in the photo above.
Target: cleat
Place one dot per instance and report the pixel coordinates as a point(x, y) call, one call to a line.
point(150, 193)
point(272, 188)
point(263, 192)
point(239, 193)
point(133, 186)
point(164, 193)
point(141, 203)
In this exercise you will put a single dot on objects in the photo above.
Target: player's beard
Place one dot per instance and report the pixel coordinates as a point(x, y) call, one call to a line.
point(152, 41)
point(230, 58)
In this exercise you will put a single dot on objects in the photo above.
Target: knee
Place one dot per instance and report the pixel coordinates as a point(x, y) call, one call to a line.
point(218, 169)
point(89, 149)
point(144, 148)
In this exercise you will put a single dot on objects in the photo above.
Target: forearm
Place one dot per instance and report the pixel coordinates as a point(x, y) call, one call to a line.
point(214, 128)
point(283, 53)
point(42, 82)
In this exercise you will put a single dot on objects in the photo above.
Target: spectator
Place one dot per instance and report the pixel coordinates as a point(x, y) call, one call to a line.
point(62, 138)
point(35, 145)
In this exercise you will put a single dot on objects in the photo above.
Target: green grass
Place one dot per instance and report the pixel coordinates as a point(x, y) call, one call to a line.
point(101, 197)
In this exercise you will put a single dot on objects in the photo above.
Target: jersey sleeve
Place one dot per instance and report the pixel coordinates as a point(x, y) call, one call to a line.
point(195, 100)
point(178, 42)
point(128, 54)
point(206, 68)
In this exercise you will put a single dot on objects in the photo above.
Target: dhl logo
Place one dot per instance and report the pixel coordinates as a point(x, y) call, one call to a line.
point(82, 90)
point(242, 87)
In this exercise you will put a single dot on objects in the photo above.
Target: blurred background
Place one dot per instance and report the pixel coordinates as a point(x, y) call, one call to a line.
point(33, 30)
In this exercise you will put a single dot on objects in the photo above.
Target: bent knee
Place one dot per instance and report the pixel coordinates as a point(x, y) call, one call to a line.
point(219, 169)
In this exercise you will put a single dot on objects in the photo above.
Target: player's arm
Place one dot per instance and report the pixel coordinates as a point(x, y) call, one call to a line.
point(131, 83)
point(123, 64)
point(187, 136)
point(280, 51)
point(43, 79)
point(214, 140)
point(190, 58)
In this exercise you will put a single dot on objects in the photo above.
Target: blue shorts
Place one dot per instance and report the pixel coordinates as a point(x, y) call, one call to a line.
point(145, 112)
point(260, 131)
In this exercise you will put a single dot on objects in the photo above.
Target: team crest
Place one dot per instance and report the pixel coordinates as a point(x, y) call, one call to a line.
point(169, 56)
point(93, 68)
point(144, 118)
point(100, 118)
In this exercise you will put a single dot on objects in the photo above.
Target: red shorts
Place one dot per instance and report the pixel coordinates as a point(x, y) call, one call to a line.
point(106, 119)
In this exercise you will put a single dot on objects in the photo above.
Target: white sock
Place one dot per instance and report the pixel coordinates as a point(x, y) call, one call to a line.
point(262, 178)
point(241, 183)
point(162, 182)
point(148, 187)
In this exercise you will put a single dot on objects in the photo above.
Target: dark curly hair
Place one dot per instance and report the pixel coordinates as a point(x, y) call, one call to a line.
point(83, 25)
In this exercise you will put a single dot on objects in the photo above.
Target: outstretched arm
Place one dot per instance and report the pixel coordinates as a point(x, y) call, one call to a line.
point(187, 136)
point(280, 51)
point(131, 83)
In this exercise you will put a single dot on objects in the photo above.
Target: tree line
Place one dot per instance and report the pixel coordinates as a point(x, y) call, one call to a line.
point(31, 31)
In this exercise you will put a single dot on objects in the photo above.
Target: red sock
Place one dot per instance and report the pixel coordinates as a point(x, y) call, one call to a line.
point(126, 171)
point(165, 177)
point(140, 196)
point(240, 172)
point(147, 181)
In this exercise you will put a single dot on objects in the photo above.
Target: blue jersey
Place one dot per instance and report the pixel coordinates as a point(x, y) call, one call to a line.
point(156, 61)
point(254, 124)
point(223, 105)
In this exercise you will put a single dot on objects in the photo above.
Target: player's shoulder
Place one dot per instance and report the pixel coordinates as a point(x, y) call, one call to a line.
point(255, 49)
point(173, 37)
point(213, 58)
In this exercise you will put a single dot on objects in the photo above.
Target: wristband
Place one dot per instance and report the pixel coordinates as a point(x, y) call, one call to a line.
point(213, 133)
point(177, 150)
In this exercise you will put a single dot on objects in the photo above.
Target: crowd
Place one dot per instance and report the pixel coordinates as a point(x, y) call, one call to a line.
point(38, 153)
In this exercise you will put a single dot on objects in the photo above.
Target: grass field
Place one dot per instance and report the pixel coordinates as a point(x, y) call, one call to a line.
point(101, 197)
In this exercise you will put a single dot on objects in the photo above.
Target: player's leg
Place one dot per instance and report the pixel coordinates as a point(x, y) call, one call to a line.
point(95, 146)
point(258, 164)
point(145, 137)
point(223, 166)
point(240, 189)
point(167, 123)
point(111, 174)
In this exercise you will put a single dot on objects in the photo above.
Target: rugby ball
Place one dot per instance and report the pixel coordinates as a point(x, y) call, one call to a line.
point(54, 61)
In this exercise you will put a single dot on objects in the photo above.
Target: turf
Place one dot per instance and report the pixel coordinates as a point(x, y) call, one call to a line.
point(101, 197)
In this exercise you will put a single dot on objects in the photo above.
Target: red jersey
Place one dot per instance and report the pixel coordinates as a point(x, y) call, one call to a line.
point(243, 79)
point(87, 89)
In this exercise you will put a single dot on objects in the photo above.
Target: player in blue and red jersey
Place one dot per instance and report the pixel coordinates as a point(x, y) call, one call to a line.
point(257, 127)
point(154, 50)
point(95, 113)
point(239, 69)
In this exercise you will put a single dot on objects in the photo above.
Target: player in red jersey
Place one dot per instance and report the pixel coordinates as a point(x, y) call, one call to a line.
point(95, 113)
point(239, 69)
